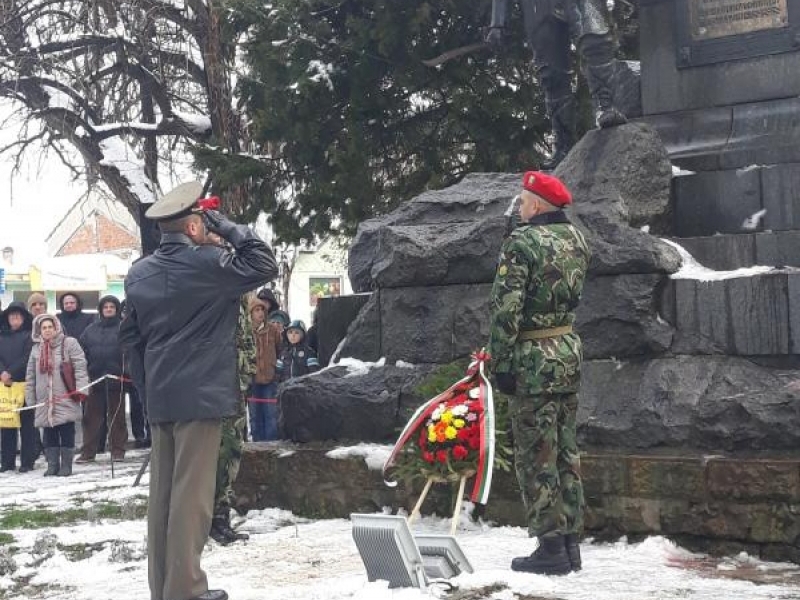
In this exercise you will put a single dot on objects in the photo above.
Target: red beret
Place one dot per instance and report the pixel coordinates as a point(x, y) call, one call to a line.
point(548, 187)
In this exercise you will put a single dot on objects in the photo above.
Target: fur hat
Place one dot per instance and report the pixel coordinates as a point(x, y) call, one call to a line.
point(36, 297)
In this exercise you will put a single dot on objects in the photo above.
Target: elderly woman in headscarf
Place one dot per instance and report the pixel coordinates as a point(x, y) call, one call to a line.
point(57, 408)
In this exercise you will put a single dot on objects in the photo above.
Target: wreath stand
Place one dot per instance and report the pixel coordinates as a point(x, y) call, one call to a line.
point(462, 483)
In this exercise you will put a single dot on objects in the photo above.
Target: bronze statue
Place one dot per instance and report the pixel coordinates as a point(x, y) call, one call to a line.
point(550, 26)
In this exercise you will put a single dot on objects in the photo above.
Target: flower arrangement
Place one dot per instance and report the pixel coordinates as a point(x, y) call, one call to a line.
point(449, 441)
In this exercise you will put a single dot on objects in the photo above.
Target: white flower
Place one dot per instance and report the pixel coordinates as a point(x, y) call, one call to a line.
point(460, 410)
point(474, 393)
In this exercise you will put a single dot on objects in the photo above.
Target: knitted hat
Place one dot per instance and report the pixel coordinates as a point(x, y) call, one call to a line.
point(547, 187)
point(36, 297)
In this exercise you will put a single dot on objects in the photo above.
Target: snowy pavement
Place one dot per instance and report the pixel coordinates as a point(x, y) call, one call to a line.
point(288, 557)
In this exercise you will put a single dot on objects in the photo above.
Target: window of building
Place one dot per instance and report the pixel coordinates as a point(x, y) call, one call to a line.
point(319, 287)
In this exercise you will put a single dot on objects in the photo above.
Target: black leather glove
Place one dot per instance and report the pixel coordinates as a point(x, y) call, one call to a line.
point(496, 37)
point(506, 383)
point(218, 223)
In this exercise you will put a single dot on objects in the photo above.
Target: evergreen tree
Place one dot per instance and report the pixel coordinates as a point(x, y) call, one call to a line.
point(345, 120)
point(348, 121)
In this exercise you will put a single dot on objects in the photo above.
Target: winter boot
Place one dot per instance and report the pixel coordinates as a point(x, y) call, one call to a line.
point(573, 550)
point(67, 455)
point(53, 456)
point(222, 532)
point(550, 558)
point(562, 120)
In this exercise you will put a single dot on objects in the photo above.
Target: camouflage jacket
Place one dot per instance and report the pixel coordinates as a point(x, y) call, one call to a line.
point(245, 347)
point(538, 285)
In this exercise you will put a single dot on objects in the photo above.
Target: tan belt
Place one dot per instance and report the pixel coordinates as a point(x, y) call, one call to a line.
point(543, 334)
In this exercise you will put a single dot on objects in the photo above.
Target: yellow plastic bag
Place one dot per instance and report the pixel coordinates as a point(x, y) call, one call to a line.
point(11, 397)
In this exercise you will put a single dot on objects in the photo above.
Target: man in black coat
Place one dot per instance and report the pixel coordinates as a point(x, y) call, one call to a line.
point(105, 403)
point(73, 320)
point(15, 349)
point(179, 329)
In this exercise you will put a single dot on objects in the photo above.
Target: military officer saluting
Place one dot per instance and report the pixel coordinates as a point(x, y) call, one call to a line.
point(183, 302)
point(536, 360)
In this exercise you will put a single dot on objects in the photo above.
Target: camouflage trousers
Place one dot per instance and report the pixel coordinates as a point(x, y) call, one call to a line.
point(547, 462)
point(230, 455)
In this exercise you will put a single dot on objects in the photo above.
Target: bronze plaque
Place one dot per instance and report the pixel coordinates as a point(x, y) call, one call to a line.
point(711, 19)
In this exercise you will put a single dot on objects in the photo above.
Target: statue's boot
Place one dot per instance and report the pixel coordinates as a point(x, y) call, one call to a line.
point(561, 108)
point(600, 69)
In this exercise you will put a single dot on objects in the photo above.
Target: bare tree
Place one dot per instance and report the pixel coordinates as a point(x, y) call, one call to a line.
point(119, 89)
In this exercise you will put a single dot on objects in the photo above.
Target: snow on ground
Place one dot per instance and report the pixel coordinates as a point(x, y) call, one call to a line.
point(288, 557)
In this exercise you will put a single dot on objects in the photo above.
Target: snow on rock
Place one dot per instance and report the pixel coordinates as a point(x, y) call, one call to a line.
point(753, 221)
point(355, 367)
point(374, 455)
point(691, 269)
point(678, 172)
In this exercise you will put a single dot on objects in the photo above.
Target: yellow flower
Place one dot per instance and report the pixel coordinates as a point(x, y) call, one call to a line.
point(458, 423)
point(447, 417)
point(450, 433)
point(431, 434)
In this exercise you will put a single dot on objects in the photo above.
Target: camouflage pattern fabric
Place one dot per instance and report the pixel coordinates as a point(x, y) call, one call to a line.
point(547, 462)
point(230, 452)
point(538, 286)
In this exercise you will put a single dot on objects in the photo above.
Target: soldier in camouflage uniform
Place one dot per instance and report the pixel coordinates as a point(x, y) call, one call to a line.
point(536, 360)
point(233, 432)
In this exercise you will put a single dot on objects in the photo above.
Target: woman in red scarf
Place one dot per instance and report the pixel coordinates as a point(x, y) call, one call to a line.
point(57, 408)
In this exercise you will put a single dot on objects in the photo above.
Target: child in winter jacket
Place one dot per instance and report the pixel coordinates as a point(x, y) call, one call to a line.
point(262, 402)
point(297, 358)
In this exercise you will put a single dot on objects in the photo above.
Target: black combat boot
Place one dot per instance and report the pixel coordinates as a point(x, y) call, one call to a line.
point(222, 532)
point(562, 120)
point(573, 550)
point(550, 558)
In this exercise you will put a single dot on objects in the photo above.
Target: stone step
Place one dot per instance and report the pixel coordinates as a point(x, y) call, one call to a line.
point(728, 252)
point(720, 201)
point(743, 316)
point(730, 137)
point(709, 502)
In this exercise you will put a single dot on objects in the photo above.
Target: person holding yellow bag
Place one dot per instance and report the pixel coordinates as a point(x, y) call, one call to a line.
point(15, 349)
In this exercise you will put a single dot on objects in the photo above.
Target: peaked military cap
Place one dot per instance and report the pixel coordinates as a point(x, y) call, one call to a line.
point(177, 203)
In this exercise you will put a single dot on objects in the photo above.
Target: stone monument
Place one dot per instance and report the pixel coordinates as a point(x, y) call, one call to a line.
point(689, 415)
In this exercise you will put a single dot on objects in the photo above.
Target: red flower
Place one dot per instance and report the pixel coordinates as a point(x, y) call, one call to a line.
point(423, 438)
point(460, 453)
point(441, 456)
point(428, 456)
point(474, 442)
point(463, 434)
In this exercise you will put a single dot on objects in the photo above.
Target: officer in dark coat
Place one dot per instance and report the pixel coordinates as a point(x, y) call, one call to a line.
point(15, 349)
point(536, 359)
point(550, 26)
point(179, 330)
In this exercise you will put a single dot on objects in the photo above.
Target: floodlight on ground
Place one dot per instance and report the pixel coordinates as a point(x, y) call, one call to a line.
point(388, 550)
point(442, 557)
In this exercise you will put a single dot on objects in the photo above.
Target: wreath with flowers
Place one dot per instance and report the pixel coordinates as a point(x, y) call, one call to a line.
point(452, 435)
point(449, 441)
